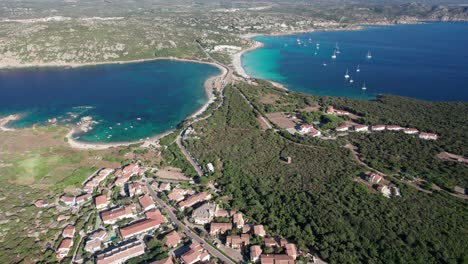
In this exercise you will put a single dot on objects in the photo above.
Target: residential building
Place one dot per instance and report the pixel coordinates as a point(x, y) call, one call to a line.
point(68, 200)
point(155, 214)
point(99, 234)
point(178, 194)
point(219, 228)
point(204, 214)
point(96, 180)
point(194, 199)
point(101, 201)
point(373, 178)
point(146, 202)
point(221, 213)
point(195, 254)
point(64, 248)
point(93, 245)
point(291, 250)
point(259, 230)
point(113, 215)
point(140, 227)
point(271, 242)
point(276, 259)
point(121, 253)
point(255, 252)
point(172, 239)
point(342, 128)
point(135, 188)
point(314, 133)
point(210, 167)
point(306, 128)
point(378, 128)
point(238, 220)
point(41, 203)
point(410, 131)
point(81, 199)
point(394, 128)
point(164, 186)
point(330, 110)
point(341, 112)
point(237, 242)
point(68, 231)
point(429, 136)
point(361, 128)
point(384, 190)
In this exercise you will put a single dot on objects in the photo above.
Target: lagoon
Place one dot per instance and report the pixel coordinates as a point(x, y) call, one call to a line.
point(129, 101)
point(426, 61)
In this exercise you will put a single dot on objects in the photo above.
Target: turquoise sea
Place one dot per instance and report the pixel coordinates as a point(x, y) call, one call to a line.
point(129, 101)
point(426, 61)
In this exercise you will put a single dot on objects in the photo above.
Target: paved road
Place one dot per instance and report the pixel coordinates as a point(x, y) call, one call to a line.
point(170, 211)
point(188, 156)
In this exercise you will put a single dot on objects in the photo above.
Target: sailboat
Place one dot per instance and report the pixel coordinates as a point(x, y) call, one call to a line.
point(347, 74)
point(364, 87)
point(334, 55)
point(351, 81)
point(337, 49)
point(358, 70)
point(324, 64)
point(369, 55)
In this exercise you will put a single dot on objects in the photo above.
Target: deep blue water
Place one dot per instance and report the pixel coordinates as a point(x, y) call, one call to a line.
point(428, 61)
point(146, 98)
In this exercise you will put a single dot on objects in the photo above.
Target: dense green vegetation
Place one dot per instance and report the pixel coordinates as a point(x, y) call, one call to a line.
point(315, 202)
point(446, 119)
point(395, 153)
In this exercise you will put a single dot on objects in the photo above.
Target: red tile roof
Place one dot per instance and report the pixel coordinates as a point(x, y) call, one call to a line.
point(194, 199)
point(259, 230)
point(146, 202)
point(68, 231)
point(219, 228)
point(122, 253)
point(139, 227)
point(117, 214)
point(291, 250)
point(172, 239)
point(100, 200)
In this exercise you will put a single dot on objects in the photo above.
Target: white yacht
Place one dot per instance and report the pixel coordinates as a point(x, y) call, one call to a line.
point(334, 55)
point(364, 87)
point(347, 74)
point(358, 69)
point(369, 55)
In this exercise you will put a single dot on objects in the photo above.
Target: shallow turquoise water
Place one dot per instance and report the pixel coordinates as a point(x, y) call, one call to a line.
point(130, 101)
point(427, 61)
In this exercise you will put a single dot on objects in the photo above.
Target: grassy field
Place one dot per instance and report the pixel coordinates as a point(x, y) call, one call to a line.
point(38, 164)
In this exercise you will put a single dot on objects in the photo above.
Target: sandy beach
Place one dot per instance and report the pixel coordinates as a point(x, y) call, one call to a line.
point(100, 146)
point(236, 58)
point(5, 120)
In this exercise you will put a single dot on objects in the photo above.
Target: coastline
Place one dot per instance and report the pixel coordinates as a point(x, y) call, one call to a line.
point(5, 120)
point(101, 146)
point(10, 66)
point(208, 86)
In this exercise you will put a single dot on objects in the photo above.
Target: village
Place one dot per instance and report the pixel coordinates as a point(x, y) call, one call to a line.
point(126, 214)
point(295, 124)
